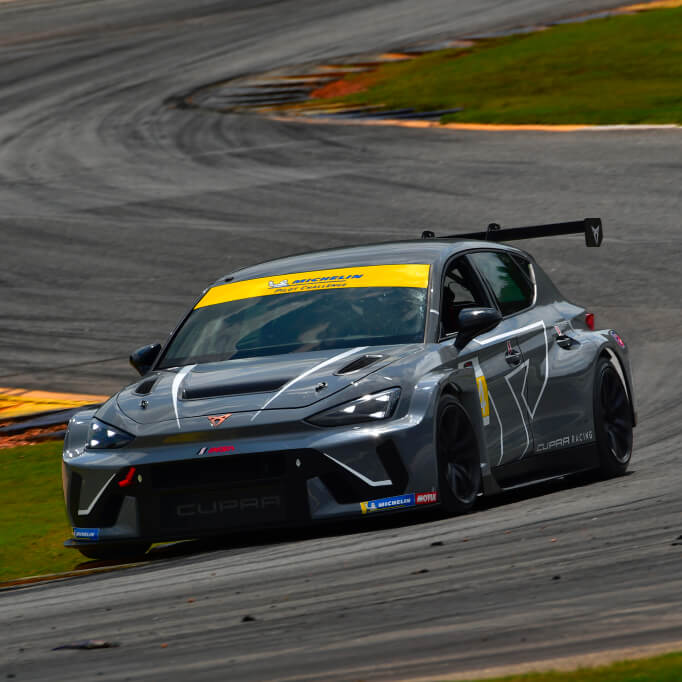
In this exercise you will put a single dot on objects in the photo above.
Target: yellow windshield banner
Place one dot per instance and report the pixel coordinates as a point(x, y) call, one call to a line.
point(416, 276)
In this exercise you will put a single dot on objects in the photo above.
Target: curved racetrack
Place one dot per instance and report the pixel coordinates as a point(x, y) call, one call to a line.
point(116, 210)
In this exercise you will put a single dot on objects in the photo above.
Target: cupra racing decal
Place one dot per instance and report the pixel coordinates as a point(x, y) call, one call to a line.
point(408, 500)
point(579, 438)
point(411, 275)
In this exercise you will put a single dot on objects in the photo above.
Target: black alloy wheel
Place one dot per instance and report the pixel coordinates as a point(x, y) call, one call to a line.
point(612, 420)
point(459, 464)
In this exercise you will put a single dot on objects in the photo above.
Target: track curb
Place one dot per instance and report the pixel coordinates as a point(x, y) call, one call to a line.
point(478, 127)
point(21, 403)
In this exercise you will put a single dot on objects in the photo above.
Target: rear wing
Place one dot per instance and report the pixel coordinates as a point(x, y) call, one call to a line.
point(591, 227)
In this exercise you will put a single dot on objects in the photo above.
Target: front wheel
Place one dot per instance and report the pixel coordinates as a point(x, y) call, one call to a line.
point(459, 464)
point(612, 420)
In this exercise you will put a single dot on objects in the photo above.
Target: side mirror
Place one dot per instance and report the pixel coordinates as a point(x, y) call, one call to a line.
point(475, 321)
point(143, 358)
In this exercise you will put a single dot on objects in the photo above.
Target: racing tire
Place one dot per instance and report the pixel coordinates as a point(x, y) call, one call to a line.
point(612, 421)
point(119, 552)
point(459, 463)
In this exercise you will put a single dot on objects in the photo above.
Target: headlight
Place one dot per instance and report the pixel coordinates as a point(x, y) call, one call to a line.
point(101, 436)
point(366, 409)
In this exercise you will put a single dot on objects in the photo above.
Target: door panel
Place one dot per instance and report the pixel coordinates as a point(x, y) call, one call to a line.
point(559, 387)
point(508, 435)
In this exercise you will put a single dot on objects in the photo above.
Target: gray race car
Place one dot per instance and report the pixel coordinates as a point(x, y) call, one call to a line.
point(352, 382)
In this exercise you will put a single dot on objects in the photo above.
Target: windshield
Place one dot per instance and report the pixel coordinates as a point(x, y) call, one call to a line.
point(304, 312)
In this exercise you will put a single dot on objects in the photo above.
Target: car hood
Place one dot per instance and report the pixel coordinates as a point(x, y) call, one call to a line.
point(249, 384)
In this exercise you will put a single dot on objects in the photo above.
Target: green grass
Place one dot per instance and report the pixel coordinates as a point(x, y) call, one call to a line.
point(33, 524)
point(621, 69)
point(667, 668)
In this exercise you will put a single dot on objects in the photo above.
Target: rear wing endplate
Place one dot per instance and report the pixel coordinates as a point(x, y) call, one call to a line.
point(591, 227)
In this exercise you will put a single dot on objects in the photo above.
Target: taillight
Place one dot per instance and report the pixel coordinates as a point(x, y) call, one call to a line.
point(589, 321)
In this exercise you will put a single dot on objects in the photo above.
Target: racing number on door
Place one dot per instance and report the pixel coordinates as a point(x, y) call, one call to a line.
point(482, 386)
point(482, 392)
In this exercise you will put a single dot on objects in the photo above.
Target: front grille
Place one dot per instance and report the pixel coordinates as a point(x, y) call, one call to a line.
point(217, 471)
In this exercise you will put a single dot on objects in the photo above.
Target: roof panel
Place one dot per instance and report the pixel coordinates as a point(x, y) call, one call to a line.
point(428, 251)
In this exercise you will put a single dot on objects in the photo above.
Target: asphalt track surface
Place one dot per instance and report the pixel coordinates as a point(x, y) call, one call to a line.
point(115, 211)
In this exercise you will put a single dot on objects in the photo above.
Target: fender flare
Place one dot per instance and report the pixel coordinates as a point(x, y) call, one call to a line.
point(609, 350)
point(462, 384)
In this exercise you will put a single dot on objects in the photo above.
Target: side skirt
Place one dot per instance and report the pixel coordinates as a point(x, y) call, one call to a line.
point(539, 468)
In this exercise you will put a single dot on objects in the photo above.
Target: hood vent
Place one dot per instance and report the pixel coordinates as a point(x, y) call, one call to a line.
point(359, 363)
point(145, 387)
point(219, 390)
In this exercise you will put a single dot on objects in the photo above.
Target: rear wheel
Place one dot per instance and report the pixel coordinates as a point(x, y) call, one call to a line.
point(459, 464)
point(612, 420)
point(119, 552)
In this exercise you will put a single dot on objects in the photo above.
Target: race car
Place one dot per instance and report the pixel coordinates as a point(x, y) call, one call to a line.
point(349, 383)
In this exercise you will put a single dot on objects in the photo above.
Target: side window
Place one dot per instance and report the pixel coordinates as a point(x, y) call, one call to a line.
point(526, 268)
point(512, 288)
point(460, 290)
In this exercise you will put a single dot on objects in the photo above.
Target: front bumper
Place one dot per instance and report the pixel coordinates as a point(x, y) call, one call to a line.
point(163, 494)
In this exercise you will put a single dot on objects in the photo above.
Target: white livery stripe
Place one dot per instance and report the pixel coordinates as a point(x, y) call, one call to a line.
point(306, 373)
point(363, 478)
point(523, 367)
point(175, 389)
point(85, 512)
point(510, 334)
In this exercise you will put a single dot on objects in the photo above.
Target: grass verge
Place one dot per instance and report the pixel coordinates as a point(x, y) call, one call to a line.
point(33, 523)
point(666, 668)
point(620, 69)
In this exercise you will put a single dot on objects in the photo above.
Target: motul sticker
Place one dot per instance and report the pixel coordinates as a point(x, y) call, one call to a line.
point(427, 498)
